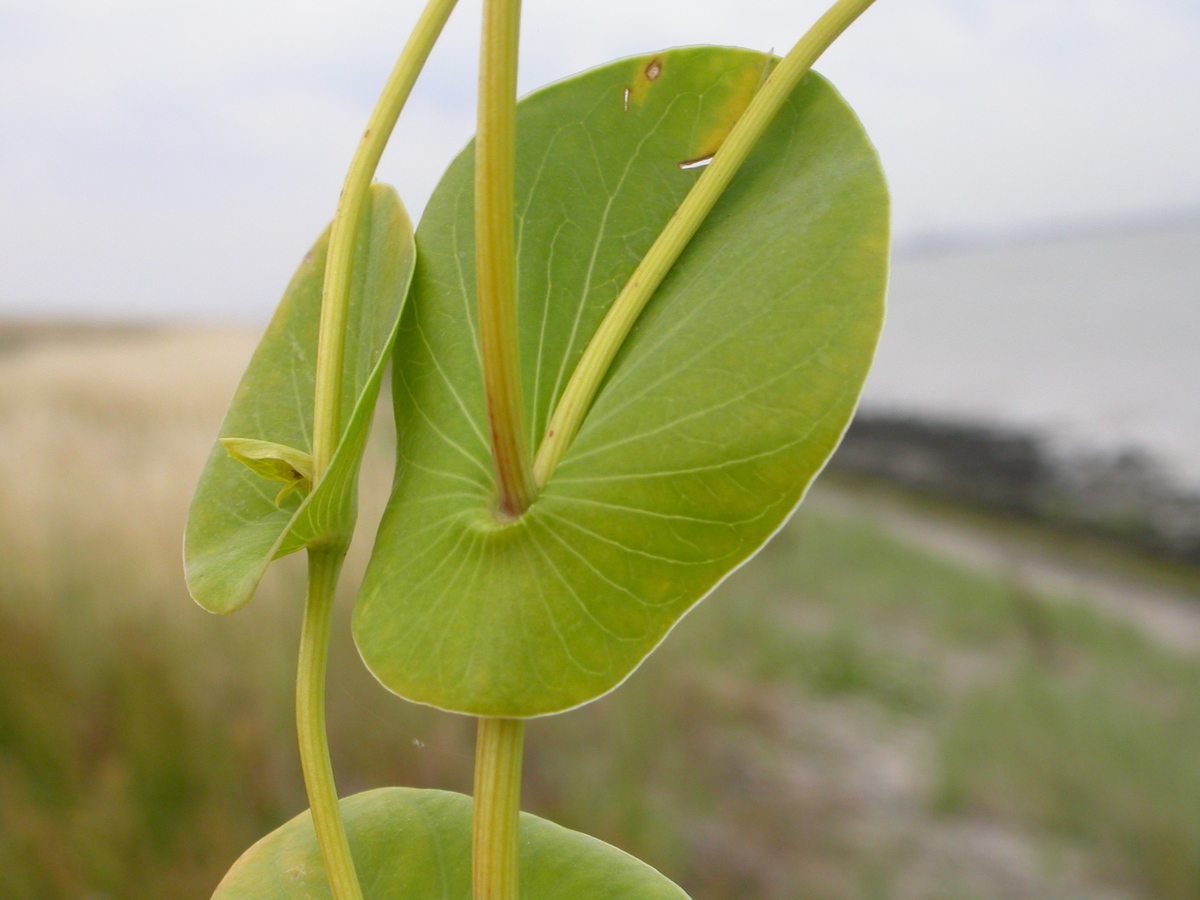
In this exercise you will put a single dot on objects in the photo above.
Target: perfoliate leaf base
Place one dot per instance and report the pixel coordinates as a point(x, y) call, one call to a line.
point(724, 402)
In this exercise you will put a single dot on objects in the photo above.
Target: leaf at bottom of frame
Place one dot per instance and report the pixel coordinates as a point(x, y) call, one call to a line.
point(410, 843)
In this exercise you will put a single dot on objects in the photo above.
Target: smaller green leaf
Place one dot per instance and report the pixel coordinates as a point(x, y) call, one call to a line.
point(235, 524)
point(274, 462)
point(413, 844)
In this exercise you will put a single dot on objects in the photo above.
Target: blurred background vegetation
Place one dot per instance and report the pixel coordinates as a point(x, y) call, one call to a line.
point(899, 698)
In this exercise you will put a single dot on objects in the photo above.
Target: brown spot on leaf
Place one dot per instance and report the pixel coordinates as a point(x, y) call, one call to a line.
point(642, 82)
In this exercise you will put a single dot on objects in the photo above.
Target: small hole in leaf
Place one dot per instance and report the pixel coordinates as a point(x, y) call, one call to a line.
point(654, 69)
point(696, 163)
point(626, 99)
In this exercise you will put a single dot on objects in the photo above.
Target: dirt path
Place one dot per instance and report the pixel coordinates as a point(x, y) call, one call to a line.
point(1114, 581)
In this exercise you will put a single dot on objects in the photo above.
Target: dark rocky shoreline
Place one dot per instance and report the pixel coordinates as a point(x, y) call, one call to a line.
point(1127, 496)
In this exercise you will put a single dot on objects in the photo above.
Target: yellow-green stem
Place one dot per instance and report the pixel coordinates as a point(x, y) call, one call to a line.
point(495, 254)
point(499, 744)
point(585, 380)
point(325, 561)
point(331, 345)
point(324, 564)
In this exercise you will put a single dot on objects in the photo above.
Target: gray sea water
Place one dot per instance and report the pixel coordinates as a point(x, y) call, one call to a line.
point(1091, 342)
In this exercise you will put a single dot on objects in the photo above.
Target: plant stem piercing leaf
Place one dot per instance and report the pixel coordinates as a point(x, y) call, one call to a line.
point(237, 522)
point(417, 844)
point(723, 403)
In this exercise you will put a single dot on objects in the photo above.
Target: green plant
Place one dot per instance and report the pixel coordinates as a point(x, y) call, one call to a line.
point(605, 403)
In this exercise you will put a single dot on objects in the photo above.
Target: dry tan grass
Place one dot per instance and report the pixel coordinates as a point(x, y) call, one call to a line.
point(101, 442)
point(100, 446)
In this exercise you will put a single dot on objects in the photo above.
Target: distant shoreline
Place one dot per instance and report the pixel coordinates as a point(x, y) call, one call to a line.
point(1124, 495)
point(937, 243)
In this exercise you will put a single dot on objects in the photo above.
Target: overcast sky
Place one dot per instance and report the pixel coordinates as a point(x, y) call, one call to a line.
point(174, 158)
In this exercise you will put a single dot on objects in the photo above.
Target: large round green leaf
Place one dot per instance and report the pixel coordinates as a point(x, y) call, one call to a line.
point(728, 396)
point(416, 845)
point(235, 525)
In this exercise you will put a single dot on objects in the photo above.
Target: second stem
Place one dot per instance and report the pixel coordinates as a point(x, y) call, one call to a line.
point(499, 743)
